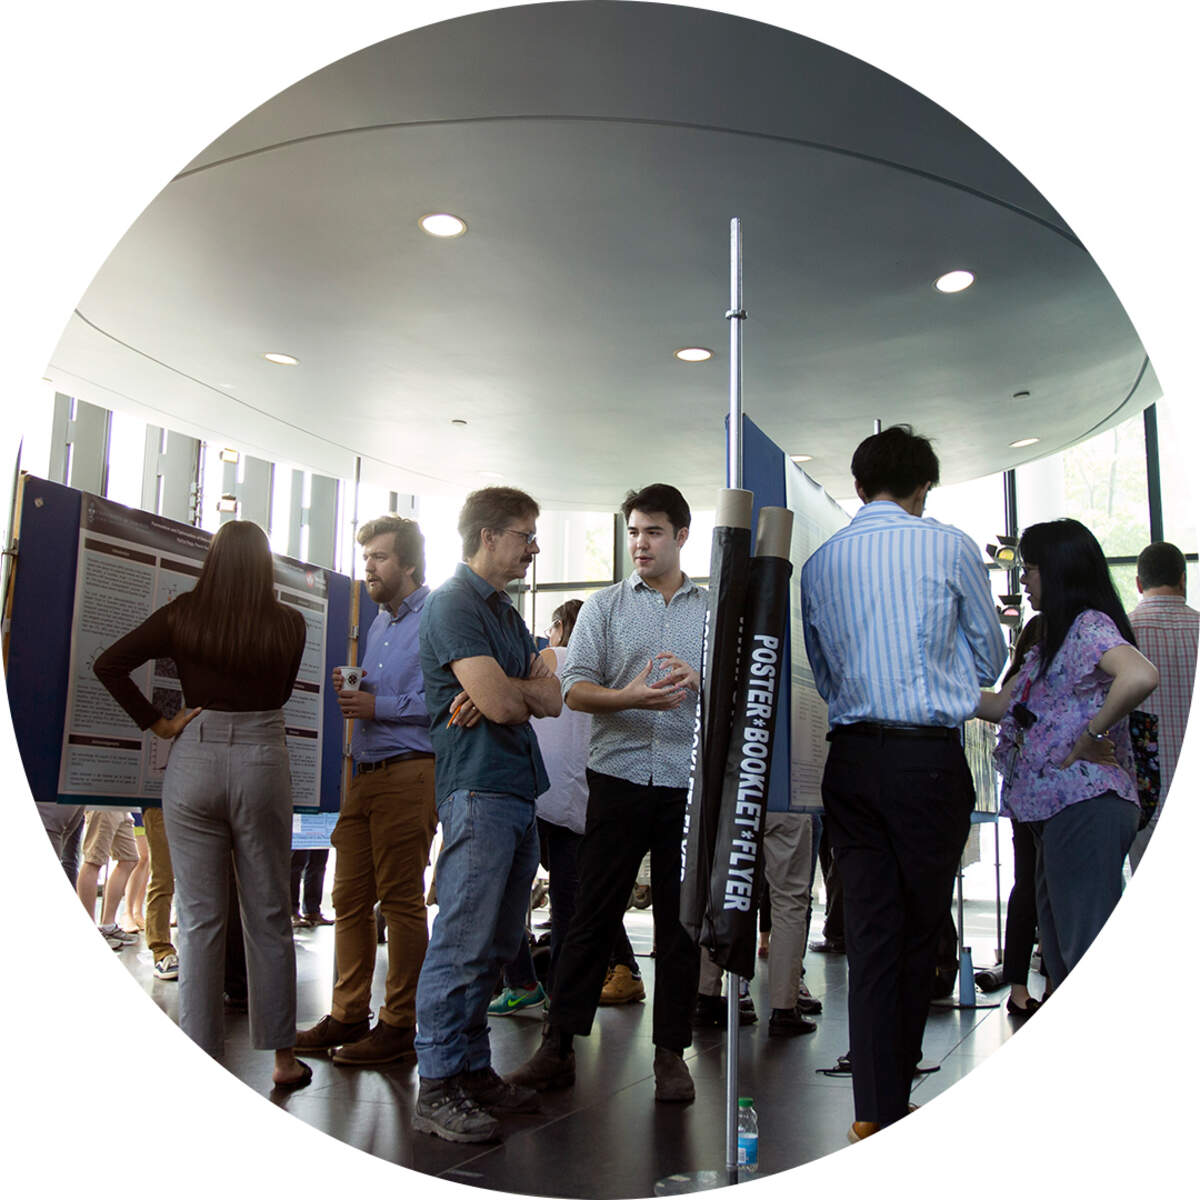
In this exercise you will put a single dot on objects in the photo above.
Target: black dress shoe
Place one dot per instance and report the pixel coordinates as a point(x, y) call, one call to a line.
point(787, 1022)
point(1031, 1006)
point(829, 946)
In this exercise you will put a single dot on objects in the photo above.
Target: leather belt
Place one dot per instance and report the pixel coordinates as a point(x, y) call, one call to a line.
point(364, 767)
point(943, 733)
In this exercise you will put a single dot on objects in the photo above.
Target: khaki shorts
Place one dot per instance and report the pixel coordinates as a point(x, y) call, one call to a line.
point(108, 834)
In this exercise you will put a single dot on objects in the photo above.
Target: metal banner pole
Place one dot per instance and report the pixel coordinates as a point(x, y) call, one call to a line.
point(735, 316)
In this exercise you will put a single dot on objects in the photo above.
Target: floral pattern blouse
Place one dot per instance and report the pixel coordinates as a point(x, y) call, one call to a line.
point(1071, 692)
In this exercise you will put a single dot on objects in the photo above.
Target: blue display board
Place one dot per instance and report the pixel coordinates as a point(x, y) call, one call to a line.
point(39, 660)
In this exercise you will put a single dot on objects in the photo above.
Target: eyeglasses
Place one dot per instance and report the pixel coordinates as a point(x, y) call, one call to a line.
point(529, 536)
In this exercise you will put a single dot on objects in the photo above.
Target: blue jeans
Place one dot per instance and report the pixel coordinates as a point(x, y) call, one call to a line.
point(487, 862)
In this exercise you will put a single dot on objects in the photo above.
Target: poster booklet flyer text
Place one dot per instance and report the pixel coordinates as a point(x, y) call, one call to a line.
point(130, 564)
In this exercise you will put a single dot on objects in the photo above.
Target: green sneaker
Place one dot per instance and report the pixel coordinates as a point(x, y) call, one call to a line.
point(512, 1000)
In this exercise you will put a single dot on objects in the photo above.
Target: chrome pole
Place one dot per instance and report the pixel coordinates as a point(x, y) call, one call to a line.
point(735, 316)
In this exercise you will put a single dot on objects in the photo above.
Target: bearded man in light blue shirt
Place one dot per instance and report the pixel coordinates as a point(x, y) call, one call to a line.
point(901, 632)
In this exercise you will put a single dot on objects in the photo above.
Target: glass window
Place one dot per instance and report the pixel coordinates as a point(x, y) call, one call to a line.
point(975, 507)
point(1176, 464)
point(126, 459)
point(373, 501)
point(696, 556)
point(438, 518)
point(1101, 482)
point(1124, 576)
point(211, 487)
point(574, 546)
point(545, 602)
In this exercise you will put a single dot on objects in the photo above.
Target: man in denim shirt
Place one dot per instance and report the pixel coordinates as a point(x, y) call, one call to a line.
point(483, 681)
point(388, 818)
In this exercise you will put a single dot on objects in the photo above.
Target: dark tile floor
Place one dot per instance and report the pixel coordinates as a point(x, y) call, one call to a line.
point(606, 1137)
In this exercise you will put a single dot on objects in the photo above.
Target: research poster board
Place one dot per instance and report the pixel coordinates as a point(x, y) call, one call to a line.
point(817, 516)
point(129, 564)
point(87, 572)
point(775, 480)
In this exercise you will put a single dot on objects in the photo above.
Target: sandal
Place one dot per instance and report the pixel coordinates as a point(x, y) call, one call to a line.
point(302, 1080)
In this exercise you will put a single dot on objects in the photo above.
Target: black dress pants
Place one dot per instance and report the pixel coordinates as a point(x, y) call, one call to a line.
point(308, 873)
point(624, 820)
point(1020, 924)
point(834, 929)
point(898, 810)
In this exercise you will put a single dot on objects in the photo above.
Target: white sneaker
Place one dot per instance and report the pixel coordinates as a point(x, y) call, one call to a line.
point(167, 967)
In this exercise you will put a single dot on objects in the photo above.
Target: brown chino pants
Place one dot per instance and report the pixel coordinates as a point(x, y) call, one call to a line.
point(161, 889)
point(382, 839)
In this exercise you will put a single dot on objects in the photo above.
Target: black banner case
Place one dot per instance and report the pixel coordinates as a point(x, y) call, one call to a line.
point(728, 580)
point(735, 881)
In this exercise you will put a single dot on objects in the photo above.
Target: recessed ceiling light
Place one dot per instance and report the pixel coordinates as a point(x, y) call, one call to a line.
point(954, 281)
point(284, 360)
point(799, 458)
point(1021, 443)
point(693, 354)
point(443, 225)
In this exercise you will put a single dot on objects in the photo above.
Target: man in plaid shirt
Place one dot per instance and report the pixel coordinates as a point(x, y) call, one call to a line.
point(1167, 633)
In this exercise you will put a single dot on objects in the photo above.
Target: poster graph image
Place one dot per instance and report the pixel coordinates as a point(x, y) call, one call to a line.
point(130, 564)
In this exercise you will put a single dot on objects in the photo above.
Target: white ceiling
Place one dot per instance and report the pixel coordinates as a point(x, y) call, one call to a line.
point(598, 152)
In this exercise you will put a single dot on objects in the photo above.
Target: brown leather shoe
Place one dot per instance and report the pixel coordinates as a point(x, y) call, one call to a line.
point(672, 1079)
point(622, 987)
point(860, 1130)
point(329, 1033)
point(384, 1044)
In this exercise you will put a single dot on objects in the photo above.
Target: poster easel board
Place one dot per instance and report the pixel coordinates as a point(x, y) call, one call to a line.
point(40, 667)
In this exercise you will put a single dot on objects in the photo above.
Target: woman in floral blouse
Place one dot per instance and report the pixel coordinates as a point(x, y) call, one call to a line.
point(1064, 747)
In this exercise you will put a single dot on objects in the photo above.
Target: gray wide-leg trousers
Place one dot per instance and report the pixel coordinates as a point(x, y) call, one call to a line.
point(227, 801)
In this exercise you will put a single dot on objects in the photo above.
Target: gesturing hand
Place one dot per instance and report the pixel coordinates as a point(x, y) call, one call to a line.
point(169, 728)
point(679, 673)
point(657, 697)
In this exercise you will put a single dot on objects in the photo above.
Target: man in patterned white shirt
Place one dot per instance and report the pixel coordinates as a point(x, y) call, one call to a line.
point(1167, 632)
point(632, 663)
point(901, 632)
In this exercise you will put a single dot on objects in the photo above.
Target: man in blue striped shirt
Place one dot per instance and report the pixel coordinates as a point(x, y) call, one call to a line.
point(901, 633)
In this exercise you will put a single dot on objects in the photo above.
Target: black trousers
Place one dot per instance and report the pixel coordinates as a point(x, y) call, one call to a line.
point(1020, 924)
point(898, 811)
point(308, 870)
point(834, 929)
point(624, 820)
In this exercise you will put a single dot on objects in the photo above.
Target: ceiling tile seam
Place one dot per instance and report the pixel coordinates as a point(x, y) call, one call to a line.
point(878, 160)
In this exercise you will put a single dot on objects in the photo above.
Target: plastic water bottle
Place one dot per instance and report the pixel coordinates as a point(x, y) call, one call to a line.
point(747, 1134)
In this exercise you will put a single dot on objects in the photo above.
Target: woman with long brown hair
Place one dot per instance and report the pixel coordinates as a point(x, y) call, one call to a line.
point(227, 796)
